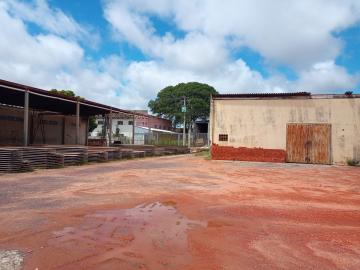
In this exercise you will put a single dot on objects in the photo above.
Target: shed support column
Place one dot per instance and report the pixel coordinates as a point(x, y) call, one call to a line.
point(26, 117)
point(133, 130)
point(110, 128)
point(87, 131)
point(63, 131)
point(78, 122)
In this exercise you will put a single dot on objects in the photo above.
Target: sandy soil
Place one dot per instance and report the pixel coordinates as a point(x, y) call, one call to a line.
point(183, 212)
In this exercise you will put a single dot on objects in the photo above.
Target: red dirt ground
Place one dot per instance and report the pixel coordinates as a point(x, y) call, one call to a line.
point(183, 212)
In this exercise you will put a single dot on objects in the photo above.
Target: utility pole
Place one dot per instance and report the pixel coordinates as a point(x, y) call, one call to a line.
point(189, 133)
point(183, 109)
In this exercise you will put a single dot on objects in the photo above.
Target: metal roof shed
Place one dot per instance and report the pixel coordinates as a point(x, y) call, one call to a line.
point(30, 97)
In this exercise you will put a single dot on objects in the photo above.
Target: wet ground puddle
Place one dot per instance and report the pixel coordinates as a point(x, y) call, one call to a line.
point(148, 236)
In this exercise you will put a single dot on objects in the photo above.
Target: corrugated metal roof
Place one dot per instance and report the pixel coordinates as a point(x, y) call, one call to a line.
point(251, 95)
point(13, 98)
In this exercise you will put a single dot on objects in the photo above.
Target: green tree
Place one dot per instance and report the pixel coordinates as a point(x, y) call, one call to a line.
point(70, 93)
point(67, 93)
point(92, 123)
point(169, 101)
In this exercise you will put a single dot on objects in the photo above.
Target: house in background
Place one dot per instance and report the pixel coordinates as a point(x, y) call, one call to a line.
point(123, 126)
point(286, 127)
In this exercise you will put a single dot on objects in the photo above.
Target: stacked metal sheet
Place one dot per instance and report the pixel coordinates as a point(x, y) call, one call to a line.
point(138, 154)
point(9, 160)
point(97, 156)
point(55, 160)
point(126, 153)
point(35, 156)
point(159, 151)
point(113, 153)
point(93, 156)
point(17, 159)
point(73, 155)
point(72, 158)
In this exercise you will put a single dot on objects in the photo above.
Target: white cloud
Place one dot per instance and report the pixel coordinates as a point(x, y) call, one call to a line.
point(52, 20)
point(297, 33)
point(196, 51)
point(56, 58)
point(52, 61)
point(326, 77)
point(145, 78)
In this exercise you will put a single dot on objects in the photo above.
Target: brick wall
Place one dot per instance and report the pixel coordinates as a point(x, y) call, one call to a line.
point(153, 122)
point(247, 154)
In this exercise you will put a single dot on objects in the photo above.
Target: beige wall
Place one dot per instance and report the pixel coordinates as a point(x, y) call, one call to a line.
point(11, 128)
point(262, 122)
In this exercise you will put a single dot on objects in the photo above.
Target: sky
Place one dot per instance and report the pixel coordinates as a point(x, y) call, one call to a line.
point(122, 52)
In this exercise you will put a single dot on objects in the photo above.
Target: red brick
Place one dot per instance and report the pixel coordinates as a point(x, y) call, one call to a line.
point(247, 154)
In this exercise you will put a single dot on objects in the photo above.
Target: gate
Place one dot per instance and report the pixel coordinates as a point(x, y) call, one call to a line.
point(308, 143)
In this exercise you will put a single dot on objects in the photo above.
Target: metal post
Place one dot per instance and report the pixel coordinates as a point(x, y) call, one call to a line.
point(189, 135)
point(77, 122)
point(26, 117)
point(110, 128)
point(184, 124)
point(133, 130)
point(87, 131)
point(150, 138)
point(63, 130)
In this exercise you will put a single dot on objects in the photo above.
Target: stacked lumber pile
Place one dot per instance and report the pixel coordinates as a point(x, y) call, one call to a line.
point(19, 159)
point(11, 160)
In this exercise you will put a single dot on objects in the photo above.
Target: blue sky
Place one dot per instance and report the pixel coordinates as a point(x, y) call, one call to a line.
point(123, 52)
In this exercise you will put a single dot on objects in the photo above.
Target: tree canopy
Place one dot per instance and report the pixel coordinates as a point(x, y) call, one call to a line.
point(169, 101)
point(70, 93)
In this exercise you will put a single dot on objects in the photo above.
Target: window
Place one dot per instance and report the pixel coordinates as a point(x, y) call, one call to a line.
point(155, 126)
point(120, 123)
point(223, 137)
point(100, 122)
point(131, 123)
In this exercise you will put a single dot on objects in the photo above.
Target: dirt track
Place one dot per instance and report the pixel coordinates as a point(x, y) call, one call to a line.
point(183, 213)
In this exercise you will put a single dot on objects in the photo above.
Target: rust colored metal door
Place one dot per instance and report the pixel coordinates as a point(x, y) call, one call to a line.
point(308, 143)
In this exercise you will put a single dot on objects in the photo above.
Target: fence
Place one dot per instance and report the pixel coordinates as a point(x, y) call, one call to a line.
point(175, 139)
point(156, 138)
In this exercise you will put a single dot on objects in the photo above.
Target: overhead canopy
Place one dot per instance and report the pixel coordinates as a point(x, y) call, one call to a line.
point(13, 94)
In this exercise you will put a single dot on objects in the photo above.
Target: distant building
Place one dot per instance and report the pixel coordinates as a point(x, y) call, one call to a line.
point(286, 127)
point(201, 125)
point(122, 125)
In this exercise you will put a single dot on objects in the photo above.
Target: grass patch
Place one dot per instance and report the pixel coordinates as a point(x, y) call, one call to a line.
point(352, 162)
point(205, 154)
